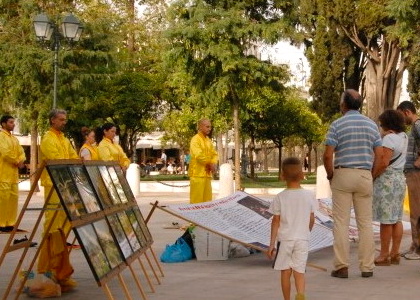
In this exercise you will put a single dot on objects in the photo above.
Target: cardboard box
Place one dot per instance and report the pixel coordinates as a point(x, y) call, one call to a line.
point(209, 246)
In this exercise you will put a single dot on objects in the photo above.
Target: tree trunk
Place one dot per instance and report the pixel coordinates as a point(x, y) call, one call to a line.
point(280, 147)
point(309, 158)
point(251, 148)
point(236, 127)
point(383, 79)
point(265, 157)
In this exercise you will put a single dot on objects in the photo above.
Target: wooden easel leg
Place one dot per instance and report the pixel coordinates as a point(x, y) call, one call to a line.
point(153, 269)
point(107, 292)
point(157, 262)
point(143, 294)
point(18, 267)
point(146, 275)
point(151, 212)
point(31, 265)
point(124, 286)
point(20, 217)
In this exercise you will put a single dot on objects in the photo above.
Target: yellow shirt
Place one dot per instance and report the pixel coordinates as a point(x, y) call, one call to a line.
point(54, 145)
point(93, 150)
point(11, 153)
point(202, 153)
point(108, 150)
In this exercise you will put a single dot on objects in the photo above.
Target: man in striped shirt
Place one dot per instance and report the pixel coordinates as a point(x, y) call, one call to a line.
point(355, 142)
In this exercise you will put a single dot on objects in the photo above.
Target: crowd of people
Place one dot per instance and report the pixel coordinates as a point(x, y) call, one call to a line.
point(164, 165)
point(369, 168)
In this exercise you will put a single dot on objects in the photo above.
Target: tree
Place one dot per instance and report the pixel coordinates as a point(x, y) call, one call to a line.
point(363, 30)
point(407, 16)
point(285, 119)
point(212, 40)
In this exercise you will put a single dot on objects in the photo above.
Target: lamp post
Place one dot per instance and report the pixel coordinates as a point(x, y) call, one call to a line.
point(46, 30)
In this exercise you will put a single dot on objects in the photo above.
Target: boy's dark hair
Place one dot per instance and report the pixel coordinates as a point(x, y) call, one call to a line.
point(5, 118)
point(291, 169)
point(407, 105)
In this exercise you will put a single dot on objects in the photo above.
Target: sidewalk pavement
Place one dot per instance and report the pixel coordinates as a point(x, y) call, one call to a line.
point(248, 278)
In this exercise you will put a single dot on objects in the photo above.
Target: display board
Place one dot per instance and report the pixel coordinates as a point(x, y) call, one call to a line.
point(243, 218)
point(103, 213)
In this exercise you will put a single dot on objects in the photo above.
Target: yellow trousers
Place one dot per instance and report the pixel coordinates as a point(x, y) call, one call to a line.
point(8, 203)
point(49, 213)
point(200, 189)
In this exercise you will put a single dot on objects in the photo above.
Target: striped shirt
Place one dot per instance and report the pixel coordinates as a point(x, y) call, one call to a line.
point(353, 137)
point(412, 148)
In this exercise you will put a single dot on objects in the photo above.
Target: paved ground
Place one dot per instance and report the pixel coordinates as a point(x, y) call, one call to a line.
point(249, 278)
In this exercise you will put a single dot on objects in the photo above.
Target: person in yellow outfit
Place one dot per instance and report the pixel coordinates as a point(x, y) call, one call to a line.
point(203, 163)
point(108, 149)
point(54, 145)
point(12, 159)
point(89, 150)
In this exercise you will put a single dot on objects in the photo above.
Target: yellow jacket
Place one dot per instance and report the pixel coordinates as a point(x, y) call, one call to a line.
point(11, 153)
point(54, 145)
point(108, 150)
point(94, 154)
point(202, 153)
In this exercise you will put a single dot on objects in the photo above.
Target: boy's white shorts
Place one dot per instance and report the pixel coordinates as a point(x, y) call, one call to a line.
point(292, 255)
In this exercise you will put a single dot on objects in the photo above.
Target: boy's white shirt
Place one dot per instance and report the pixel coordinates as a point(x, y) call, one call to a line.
point(294, 207)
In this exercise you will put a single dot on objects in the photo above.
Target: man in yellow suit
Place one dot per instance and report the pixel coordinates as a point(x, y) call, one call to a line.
point(203, 163)
point(12, 159)
point(54, 145)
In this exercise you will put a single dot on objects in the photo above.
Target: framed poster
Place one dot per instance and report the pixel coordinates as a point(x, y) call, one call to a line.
point(117, 184)
point(109, 184)
point(142, 224)
point(136, 226)
point(93, 251)
point(85, 188)
point(67, 191)
point(108, 243)
point(99, 186)
point(119, 234)
point(129, 231)
point(124, 183)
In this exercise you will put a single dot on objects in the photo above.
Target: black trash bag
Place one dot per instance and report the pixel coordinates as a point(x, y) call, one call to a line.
point(188, 239)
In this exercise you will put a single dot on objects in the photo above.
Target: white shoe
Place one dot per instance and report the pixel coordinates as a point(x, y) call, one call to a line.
point(412, 256)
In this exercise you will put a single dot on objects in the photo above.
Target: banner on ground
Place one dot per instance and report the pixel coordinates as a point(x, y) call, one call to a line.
point(245, 219)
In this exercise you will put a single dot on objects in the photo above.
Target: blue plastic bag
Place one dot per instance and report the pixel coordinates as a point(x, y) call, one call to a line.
point(178, 252)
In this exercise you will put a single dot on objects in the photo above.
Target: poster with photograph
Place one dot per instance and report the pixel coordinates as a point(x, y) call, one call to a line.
point(126, 187)
point(109, 185)
point(117, 184)
point(143, 225)
point(136, 226)
point(119, 234)
point(108, 243)
point(93, 251)
point(129, 231)
point(67, 191)
point(85, 188)
point(99, 186)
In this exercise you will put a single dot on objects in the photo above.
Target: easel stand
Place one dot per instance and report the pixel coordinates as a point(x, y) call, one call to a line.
point(116, 272)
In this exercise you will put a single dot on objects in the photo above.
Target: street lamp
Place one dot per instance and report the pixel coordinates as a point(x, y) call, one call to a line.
point(46, 30)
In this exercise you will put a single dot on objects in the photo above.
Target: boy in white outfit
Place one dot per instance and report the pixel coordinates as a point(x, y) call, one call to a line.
point(293, 219)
